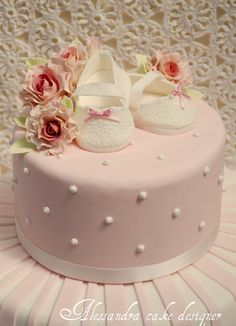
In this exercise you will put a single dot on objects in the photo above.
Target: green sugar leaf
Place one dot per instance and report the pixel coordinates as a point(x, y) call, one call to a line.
point(21, 146)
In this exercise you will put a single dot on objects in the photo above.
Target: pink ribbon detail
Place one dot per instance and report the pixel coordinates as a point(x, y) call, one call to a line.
point(106, 114)
point(179, 91)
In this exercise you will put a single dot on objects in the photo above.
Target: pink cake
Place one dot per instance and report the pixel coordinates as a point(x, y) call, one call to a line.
point(118, 182)
point(99, 200)
point(132, 215)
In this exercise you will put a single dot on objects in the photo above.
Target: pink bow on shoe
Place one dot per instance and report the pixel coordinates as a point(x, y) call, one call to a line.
point(106, 114)
point(179, 91)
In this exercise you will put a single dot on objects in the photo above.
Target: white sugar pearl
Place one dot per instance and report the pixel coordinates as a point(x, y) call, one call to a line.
point(109, 220)
point(46, 210)
point(27, 221)
point(201, 225)
point(74, 242)
point(26, 171)
point(132, 142)
point(73, 189)
point(176, 212)
point(161, 157)
point(196, 134)
point(59, 156)
point(220, 179)
point(206, 171)
point(106, 162)
point(140, 248)
point(142, 195)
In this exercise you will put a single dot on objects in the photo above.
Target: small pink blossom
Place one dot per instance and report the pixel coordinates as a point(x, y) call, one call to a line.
point(171, 65)
point(51, 126)
point(69, 64)
point(41, 85)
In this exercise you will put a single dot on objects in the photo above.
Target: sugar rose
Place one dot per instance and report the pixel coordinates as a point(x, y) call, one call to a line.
point(41, 85)
point(171, 65)
point(69, 64)
point(51, 126)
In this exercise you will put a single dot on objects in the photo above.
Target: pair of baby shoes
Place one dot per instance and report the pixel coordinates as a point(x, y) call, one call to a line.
point(111, 102)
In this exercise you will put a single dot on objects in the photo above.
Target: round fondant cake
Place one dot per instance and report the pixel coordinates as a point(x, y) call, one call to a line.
point(118, 179)
point(132, 215)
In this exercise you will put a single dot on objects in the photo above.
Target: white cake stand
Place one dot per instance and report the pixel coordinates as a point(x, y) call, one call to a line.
point(31, 295)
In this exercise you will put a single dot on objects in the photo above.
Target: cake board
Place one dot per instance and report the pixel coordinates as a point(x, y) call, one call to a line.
point(31, 295)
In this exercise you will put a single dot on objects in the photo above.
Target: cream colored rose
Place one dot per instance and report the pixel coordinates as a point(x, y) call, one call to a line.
point(51, 126)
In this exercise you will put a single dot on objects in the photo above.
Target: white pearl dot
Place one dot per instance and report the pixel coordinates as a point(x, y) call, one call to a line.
point(109, 220)
point(196, 134)
point(27, 221)
point(73, 189)
point(201, 225)
point(220, 179)
point(176, 212)
point(26, 171)
point(206, 171)
point(59, 156)
point(74, 242)
point(46, 210)
point(140, 248)
point(142, 195)
point(106, 162)
point(132, 142)
point(161, 157)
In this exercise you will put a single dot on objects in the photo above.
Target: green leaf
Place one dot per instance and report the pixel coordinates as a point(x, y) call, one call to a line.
point(20, 121)
point(141, 60)
point(75, 42)
point(67, 102)
point(35, 61)
point(21, 146)
point(195, 95)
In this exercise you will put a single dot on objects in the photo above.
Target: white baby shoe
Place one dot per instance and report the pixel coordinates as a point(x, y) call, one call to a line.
point(104, 120)
point(160, 106)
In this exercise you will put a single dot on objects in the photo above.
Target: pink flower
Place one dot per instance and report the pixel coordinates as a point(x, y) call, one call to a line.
point(41, 85)
point(172, 66)
point(69, 64)
point(51, 126)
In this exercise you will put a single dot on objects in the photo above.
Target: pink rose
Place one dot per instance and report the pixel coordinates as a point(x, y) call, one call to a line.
point(172, 66)
point(69, 64)
point(41, 85)
point(51, 126)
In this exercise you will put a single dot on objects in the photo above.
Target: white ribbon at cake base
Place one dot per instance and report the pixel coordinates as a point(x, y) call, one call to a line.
point(117, 275)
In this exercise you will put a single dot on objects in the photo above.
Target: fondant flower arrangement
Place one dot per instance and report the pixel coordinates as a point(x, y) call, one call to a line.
point(48, 119)
point(170, 64)
point(173, 68)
